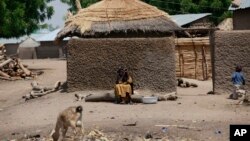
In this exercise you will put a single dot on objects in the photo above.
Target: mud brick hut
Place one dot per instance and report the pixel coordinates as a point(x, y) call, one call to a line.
point(230, 48)
point(114, 33)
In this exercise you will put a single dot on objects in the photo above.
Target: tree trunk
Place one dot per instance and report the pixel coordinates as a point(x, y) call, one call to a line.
point(108, 97)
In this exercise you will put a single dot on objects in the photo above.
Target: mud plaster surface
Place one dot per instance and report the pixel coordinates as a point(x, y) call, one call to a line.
point(92, 63)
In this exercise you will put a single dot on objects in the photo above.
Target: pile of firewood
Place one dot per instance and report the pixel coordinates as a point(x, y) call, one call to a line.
point(11, 68)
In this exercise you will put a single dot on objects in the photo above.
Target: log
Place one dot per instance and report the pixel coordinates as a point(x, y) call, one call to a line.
point(1, 57)
point(192, 41)
point(16, 78)
point(38, 91)
point(26, 66)
point(137, 98)
point(26, 71)
point(39, 88)
point(5, 62)
point(4, 74)
point(108, 97)
point(5, 78)
point(39, 94)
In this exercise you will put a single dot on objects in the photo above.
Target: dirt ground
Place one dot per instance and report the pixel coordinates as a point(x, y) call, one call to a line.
point(212, 114)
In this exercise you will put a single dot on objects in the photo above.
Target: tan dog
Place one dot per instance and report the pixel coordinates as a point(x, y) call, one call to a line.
point(70, 117)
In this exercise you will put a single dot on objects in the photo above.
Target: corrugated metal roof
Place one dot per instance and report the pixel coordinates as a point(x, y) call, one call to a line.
point(20, 39)
point(39, 36)
point(242, 5)
point(12, 40)
point(184, 19)
point(50, 36)
point(29, 42)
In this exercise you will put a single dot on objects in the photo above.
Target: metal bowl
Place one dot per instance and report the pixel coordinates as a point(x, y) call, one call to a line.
point(149, 100)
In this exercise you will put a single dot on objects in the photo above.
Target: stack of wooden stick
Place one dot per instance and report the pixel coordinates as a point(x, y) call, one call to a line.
point(11, 68)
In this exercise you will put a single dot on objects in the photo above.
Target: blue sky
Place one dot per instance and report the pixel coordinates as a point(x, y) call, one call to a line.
point(60, 11)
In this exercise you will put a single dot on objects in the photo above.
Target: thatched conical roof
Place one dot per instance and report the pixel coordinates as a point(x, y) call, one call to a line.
point(118, 17)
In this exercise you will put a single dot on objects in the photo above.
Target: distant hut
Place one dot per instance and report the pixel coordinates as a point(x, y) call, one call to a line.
point(27, 48)
point(117, 33)
point(226, 25)
point(241, 11)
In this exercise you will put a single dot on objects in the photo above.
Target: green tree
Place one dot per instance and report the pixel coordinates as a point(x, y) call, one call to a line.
point(22, 17)
point(187, 6)
point(218, 8)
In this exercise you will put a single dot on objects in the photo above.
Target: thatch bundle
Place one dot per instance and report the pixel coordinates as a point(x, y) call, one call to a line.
point(226, 24)
point(118, 18)
point(236, 3)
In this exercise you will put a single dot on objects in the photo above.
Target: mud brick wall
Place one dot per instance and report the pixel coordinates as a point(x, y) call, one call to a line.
point(92, 63)
point(241, 19)
point(230, 49)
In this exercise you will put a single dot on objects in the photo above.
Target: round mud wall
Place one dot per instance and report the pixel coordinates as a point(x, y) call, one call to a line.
point(92, 63)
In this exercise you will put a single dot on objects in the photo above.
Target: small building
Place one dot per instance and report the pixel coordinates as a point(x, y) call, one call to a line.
point(47, 48)
point(11, 44)
point(27, 48)
point(114, 33)
point(200, 20)
point(193, 59)
point(241, 12)
point(196, 25)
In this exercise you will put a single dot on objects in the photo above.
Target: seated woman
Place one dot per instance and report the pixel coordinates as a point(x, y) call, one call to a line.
point(123, 87)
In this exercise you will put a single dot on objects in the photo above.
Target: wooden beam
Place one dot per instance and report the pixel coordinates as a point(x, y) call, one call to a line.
point(192, 41)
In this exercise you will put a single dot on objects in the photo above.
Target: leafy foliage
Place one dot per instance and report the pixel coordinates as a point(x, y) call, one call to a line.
point(20, 17)
point(218, 8)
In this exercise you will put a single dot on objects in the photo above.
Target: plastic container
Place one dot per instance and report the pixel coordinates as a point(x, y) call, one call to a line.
point(149, 100)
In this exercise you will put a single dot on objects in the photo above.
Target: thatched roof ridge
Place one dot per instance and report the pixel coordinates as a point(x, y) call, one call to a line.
point(117, 16)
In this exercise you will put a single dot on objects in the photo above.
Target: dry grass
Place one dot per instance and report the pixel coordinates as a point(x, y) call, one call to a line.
point(121, 16)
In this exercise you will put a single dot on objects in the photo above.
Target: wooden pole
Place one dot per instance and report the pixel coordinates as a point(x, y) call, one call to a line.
point(202, 63)
point(179, 55)
point(195, 61)
point(182, 64)
point(205, 62)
